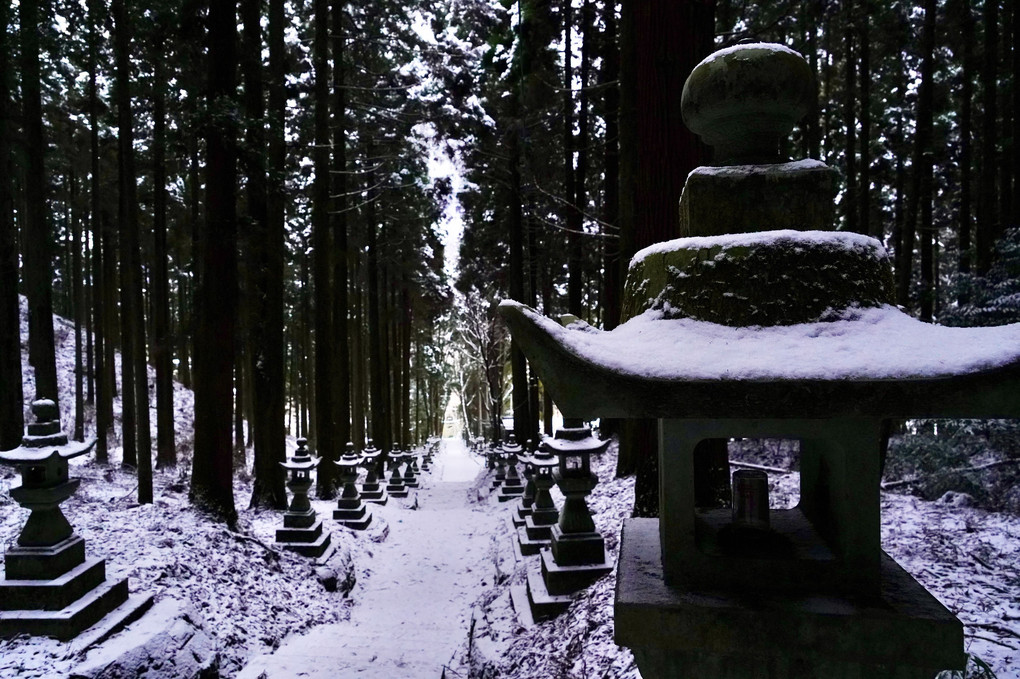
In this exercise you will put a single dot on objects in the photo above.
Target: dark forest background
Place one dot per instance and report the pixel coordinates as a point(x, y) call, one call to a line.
point(239, 195)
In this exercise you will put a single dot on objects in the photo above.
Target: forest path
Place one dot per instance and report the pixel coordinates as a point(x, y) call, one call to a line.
point(413, 610)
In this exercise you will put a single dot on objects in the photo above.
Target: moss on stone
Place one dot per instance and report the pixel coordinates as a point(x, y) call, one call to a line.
point(776, 282)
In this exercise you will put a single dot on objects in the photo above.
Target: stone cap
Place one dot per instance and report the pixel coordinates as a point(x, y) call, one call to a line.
point(743, 99)
point(44, 438)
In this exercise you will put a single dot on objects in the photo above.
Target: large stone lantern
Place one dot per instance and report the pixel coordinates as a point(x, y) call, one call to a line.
point(396, 487)
point(51, 588)
point(302, 530)
point(787, 333)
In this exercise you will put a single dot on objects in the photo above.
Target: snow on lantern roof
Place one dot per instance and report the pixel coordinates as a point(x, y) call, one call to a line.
point(876, 361)
point(744, 47)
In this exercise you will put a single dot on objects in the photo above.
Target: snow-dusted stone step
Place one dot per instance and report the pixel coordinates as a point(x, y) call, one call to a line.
point(52, 595)
point(314, 549)
point(67, 622)
point(544, 605)
point(567, 579)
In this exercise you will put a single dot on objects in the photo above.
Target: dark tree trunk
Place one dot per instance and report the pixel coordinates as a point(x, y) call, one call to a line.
point(964, 217)
point(341, 254)
point(162, 344)
point(987, 217)
point(850, 205)
point(864, 188)
point(572, 215)
point(613, 282)
point(326, 445)
point(36, 232)
point(215, 303)
point(266, 223)
point(11, 397)
point(78, 293)
point(657, 152)
point(380, 413)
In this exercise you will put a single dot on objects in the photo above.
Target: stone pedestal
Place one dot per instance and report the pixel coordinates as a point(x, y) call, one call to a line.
point(902, 632)
point(51, 588)
point(302, 530)
point(372, 490)
point(350, 508)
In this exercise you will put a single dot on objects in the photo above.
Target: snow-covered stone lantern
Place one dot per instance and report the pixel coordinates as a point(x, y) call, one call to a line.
point(791, 333)
point(577, 554)
point(371, 489)
point(512, 486)
point(302, 530)
point(537, 529)
point(395, 487)
point(410, 476)
point(523, 507)
point(51, 588)
point(350, 508)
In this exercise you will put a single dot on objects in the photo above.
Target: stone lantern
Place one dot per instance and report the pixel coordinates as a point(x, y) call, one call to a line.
point(536, 531)
point(51, 588)
point(396, 487)
point(577, 552)
point(524, 505)
point(302, 529)
point(410, 477)
point(512, 487)
point(731, 333)
point(371, 489)
point(350, 508)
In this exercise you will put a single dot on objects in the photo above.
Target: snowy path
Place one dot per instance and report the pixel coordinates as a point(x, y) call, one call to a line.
point(414, 609)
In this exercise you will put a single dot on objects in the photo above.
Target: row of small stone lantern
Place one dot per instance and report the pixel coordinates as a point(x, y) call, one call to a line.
point(572, 552)
point(302, 531)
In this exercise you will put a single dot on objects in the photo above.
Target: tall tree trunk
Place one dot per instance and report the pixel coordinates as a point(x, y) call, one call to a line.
point(36, 233)
point(964, 217)
point(571, 220)
point(864, 189)
point(917, 215)
point(850, 205)
point(265, 203)
point(78, 293)
point(580, 197)
point(1007, 156)
point(613, 281)
point(338, 219)
point(379, 377)
point(358, 358)
point(657, 152)
point(162, 344)
point(987, 217)
point(326, 445)
point(11, 397)
point(215, 303)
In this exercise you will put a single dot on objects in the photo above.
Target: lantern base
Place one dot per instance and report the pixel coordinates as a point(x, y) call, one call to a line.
point(511, 492)
point(520, 514)
point(396, 489)
point(357, 517)
point(311, 542)
point(530, 546)
point(378, 495)
point(739, 634)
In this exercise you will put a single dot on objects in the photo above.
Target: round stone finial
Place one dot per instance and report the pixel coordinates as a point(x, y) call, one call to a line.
point(45, 410)
point(743, 99)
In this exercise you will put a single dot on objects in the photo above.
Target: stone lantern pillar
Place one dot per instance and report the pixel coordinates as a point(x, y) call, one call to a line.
point(523, 508)
point(396, 487)
point(536, 532)
point(577, 554)
point(51, 588)
point(302, 529)
point(731, 332)
point(371, 489)
point(350, 508)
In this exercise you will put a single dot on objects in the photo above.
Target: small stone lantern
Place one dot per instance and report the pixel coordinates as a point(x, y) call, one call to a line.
point(371, 490)
point(577, 555)
point(512, 487)
point(523, 508)
point(350, 508)
point(410, 476)
point(396, 487)
point(51, 588)
point(302, 529)
point(537, 529)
